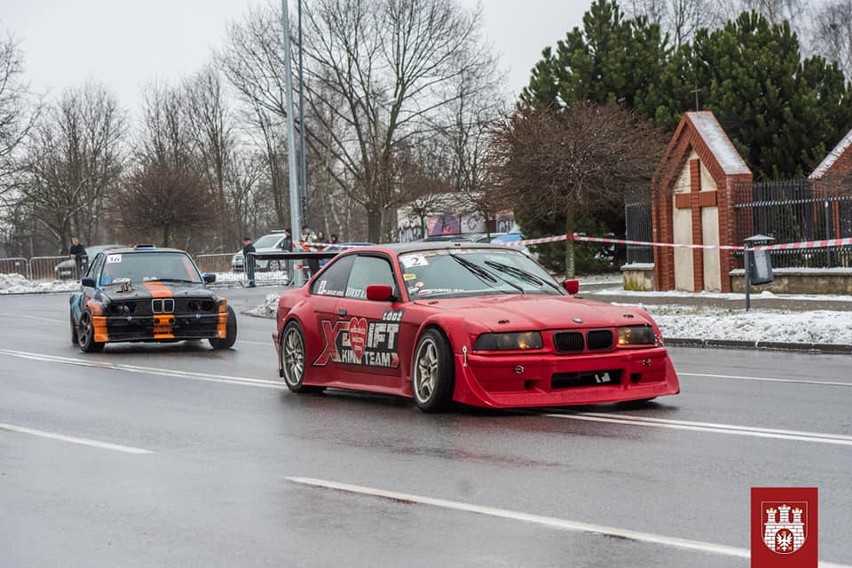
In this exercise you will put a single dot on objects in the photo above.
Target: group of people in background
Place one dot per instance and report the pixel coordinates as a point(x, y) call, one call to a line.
point(307, 236)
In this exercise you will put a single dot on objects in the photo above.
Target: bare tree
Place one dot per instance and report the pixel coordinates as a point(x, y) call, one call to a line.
point(211, 125)
point(166, 136)
point(680, 19)
point(18, 111)
point(833, 34)
point(377, 72)
point(562, 162)
point(74, 158)
point(165, 205)
point(776, 11)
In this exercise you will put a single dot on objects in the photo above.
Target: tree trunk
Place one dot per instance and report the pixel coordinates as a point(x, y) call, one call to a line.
point(374, 223)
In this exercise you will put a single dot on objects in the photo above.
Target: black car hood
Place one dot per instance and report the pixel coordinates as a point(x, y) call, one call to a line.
point(159, 289)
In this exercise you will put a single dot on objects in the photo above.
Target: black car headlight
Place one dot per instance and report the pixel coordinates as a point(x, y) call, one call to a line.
point(508, 341)
point(636, 335)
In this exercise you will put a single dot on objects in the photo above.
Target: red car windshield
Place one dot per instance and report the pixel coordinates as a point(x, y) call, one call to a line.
point(473, 272)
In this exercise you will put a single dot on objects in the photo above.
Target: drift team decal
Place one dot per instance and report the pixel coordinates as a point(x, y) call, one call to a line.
point(359, 342)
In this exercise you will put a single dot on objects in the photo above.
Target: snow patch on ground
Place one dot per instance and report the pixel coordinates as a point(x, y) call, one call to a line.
point(17, 284)
point(675, 321)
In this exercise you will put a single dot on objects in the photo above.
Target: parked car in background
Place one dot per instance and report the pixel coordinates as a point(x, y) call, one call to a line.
point(272, 242)
point(461, 237)
point(511, 237)
point(65, 269)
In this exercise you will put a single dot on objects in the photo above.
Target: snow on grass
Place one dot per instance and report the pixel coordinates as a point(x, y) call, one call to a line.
point(677, 321)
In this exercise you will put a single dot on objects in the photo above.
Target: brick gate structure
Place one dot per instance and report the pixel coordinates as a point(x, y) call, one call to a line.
point(693, 199)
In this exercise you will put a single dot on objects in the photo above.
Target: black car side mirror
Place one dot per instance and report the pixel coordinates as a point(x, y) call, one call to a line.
point(208, 278)
point(87, 282)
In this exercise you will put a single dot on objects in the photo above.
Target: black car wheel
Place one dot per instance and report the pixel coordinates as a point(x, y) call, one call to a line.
point(432, 374)
point(293, 359)
point(75, 340)
point(86, 334)
point(230, 333)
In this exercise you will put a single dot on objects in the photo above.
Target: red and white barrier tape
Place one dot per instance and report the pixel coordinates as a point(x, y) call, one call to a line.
point(785, 246)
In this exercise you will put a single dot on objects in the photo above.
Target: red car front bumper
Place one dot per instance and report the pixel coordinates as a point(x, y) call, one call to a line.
point(548, 379)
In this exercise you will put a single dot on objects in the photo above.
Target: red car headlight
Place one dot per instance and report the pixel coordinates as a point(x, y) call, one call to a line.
point(508, 341)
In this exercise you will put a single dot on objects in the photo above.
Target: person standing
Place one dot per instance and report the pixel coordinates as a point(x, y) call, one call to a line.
point(307, 236)
point(77, 252)
point(248, 260)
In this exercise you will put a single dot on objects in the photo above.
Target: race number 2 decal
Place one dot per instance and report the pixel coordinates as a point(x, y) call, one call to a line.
point(359, 342)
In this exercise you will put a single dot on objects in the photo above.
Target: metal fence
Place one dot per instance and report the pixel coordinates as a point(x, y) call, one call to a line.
point(789, 211)
point(44, 268)
point(796, 211)
point(637, 220)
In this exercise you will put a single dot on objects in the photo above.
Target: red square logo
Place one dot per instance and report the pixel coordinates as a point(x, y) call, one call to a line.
point(784, 527)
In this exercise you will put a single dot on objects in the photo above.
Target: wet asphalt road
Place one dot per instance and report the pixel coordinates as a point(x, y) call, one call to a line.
point(226, 446)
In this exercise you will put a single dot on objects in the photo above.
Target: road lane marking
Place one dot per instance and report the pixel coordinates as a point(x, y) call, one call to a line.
point(264, 343)
point(732, 429)
point(19, 316)
point(765, 379)
point(552, 522)
point(75, 440)
point(100, 364)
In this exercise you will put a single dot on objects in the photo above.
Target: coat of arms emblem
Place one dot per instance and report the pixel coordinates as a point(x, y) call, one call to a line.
point(784, 526)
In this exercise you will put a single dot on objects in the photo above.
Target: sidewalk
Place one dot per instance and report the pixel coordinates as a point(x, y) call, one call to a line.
point(815, 323)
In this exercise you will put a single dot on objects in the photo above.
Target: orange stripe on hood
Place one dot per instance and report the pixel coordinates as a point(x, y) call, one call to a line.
point(158, 289)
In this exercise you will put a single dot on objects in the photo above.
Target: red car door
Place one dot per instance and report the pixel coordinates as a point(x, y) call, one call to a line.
point(362, 337)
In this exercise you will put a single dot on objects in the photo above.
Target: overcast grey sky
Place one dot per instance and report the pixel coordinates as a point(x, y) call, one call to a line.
point(125, 44)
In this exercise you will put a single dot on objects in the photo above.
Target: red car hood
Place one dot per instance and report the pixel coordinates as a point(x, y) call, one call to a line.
point(539, 312)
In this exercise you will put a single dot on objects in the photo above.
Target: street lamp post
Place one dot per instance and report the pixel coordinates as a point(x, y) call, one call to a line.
point(295, 208)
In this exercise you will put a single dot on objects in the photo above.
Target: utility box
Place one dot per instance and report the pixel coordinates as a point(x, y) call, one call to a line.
point(758, 263)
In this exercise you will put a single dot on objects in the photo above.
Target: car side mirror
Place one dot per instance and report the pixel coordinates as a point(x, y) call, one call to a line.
point(571, 286)
point(87, 282)
point(208, 278)
point(379, 293)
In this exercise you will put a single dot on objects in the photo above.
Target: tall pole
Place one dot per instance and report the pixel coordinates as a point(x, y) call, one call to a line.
point(303, 168)
point(295, 210)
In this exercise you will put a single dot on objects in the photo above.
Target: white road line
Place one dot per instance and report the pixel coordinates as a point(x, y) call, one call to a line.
point(552, 522)
point(75, 440)
point(766, 379)
point(731, 429)
point(101, 364)
point(711, 427)
point(19, 316)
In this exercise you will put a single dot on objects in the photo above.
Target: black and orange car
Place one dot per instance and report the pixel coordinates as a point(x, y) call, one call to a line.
point(146, 293)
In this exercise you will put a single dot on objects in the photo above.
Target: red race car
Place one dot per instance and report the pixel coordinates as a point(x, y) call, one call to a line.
point(476, 324)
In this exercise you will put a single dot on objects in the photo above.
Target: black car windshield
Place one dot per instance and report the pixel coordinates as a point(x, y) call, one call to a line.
point(463, 272)
point(148, 267)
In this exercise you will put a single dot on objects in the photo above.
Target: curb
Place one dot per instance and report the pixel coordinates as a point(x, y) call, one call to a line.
point(834, 348)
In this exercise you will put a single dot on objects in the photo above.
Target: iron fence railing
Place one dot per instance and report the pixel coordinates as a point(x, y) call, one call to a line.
point(637, 220)
point(790, 211)
point(47, 268)
point(794, 211)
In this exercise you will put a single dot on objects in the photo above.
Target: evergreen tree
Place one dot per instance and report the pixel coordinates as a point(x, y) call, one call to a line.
point(782, 113)
point(610, 60)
